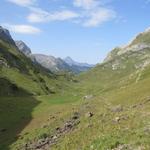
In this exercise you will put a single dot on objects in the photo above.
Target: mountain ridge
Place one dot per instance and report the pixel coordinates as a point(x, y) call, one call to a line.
point(71, 62)
point(140, 42)
point(23, 47)
point(52, 63)
point(5, 35)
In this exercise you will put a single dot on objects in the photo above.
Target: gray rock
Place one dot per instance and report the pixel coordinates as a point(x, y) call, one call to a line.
point(51, 63)
point(5, 36)
point(123, 147)
point(87, 97)
point(89, 114)
point(23, 47)
point(117, 119)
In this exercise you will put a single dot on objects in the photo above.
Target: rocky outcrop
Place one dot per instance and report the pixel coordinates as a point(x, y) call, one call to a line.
point(139, 43)
point(23, 47)
point(5, 36)
point(51, 63)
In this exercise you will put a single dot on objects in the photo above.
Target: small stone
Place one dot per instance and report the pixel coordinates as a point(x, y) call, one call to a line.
point(54, 137)
point(117, 119)
point(68, 125)
point(87, 97)
point(123, 147)
point(89, 114)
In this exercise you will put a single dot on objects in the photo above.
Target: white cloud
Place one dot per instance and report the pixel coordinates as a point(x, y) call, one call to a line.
point(24, 29)
point(88, 13)
point(37, 15)
point(98, 17)
point(22, 2)
point(94, 12)
point(85, 4)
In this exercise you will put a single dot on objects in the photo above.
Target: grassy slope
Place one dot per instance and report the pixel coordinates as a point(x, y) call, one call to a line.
point(110, 89)
point(21, 72)
point(20, 79)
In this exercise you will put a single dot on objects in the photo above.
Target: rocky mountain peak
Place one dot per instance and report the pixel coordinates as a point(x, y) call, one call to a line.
point(23, 47)
point(5, 35)
point(147, 30)
point(140, 42)
point(71, 62)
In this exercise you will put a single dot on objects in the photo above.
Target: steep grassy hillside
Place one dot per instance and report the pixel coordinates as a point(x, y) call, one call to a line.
point(21, 81)
point(20, 72)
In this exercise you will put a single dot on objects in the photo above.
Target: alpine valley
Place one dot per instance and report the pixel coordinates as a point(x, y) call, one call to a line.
point(49, 103)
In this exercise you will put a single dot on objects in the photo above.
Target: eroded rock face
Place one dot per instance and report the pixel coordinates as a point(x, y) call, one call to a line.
point(134, 48)
point(139, 44)
point(23, 47)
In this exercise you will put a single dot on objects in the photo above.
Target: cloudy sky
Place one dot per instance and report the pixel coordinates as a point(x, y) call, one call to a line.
point(86, 30)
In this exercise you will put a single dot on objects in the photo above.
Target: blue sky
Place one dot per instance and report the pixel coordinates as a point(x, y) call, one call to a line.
point(86, 30)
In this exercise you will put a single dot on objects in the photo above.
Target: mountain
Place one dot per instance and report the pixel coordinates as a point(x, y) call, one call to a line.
point(121, 98)
point(51, 63)
point(108, 106)
point(58, 64)
point(5, 35)
point(130, 60)
point(19, 75)
point(76, 66)
point(71, 62)
point(22, 83)
point(140, 42)
point(23, 47)
point(135, 56)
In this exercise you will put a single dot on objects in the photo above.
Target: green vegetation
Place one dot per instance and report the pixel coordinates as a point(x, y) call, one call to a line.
point(106, 108)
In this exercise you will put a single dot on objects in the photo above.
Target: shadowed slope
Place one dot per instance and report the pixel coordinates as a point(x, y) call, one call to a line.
point(15, 113)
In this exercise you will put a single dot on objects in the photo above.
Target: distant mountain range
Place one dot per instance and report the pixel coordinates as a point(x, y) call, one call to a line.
point(71, 62)
point(52, 63)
